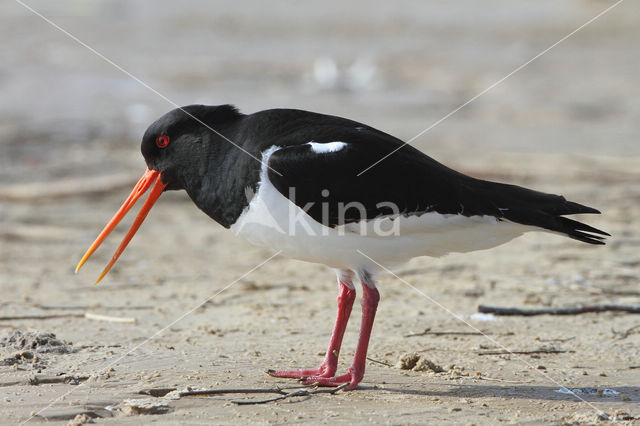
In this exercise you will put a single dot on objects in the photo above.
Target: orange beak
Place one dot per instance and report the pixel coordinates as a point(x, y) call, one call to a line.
point(145, 182)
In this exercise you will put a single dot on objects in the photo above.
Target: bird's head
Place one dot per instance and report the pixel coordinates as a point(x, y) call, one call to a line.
point(176, 144)
point(175, 148)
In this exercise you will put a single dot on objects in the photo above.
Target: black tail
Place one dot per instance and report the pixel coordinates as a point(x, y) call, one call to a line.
point(543, 210)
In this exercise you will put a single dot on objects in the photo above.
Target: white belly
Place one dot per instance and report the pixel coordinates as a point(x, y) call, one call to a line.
point(272, 221)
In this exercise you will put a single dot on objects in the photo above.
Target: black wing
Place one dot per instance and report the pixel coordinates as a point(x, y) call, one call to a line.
point(329, 188)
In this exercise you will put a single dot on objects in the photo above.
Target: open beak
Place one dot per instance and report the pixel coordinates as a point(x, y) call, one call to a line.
point(145, 182)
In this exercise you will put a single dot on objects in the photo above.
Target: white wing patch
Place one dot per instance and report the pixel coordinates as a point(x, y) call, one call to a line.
point(324, 148)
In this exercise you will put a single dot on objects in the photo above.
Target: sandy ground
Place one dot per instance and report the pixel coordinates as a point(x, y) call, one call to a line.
point(207, 315)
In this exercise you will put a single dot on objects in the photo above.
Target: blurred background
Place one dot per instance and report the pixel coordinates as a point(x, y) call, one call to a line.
point(399, 66)
point(71, 125)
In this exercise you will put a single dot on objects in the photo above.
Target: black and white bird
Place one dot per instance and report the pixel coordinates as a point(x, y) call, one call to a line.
point(302, 183)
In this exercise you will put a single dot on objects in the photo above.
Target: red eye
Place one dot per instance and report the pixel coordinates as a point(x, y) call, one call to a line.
point(162, 141)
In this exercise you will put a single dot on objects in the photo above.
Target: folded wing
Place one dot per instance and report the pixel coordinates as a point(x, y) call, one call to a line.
point(322, 177)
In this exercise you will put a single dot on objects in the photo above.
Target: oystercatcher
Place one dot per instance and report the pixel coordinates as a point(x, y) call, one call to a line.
point(297, 182)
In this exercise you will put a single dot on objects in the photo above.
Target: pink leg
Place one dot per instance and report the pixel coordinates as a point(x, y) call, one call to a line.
point(355, 373)
point(346, 296)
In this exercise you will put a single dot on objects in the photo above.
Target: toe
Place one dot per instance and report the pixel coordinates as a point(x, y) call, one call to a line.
point(293, 374)
point(328, 381)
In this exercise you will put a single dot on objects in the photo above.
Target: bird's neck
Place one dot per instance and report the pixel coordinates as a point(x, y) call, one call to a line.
point(220, 183)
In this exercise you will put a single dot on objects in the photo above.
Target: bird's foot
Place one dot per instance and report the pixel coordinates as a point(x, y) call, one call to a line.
point(324, 370)
point(353, 377)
